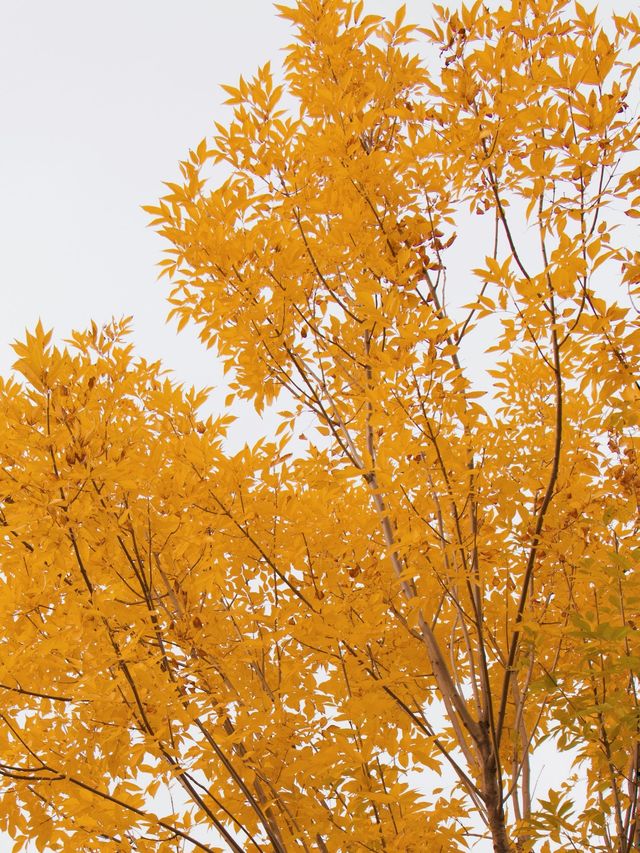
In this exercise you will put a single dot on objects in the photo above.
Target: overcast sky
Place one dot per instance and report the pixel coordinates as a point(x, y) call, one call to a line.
point(99, 102)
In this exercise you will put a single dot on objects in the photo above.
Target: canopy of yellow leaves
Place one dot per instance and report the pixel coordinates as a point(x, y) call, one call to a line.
point(441, 571)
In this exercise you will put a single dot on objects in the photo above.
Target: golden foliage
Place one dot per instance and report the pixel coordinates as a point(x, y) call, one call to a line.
point(428, 267)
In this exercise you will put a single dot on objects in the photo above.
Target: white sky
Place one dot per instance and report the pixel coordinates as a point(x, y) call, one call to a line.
point(98, 103)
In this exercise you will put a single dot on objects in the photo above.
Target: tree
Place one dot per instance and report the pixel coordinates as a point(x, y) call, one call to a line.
point(440, 570)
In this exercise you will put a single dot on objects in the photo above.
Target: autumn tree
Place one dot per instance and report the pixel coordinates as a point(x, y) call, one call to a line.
point(419, 255)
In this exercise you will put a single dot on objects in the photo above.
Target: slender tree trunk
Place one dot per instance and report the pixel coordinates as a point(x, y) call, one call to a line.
point(492, 795)
point(497, 826)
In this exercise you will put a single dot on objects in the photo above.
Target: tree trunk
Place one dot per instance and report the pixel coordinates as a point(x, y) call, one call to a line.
point(497, 826)
point(492, 796)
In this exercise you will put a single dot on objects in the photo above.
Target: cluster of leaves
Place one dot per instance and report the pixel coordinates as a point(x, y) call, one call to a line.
point(171, 611)
point(439, 573)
